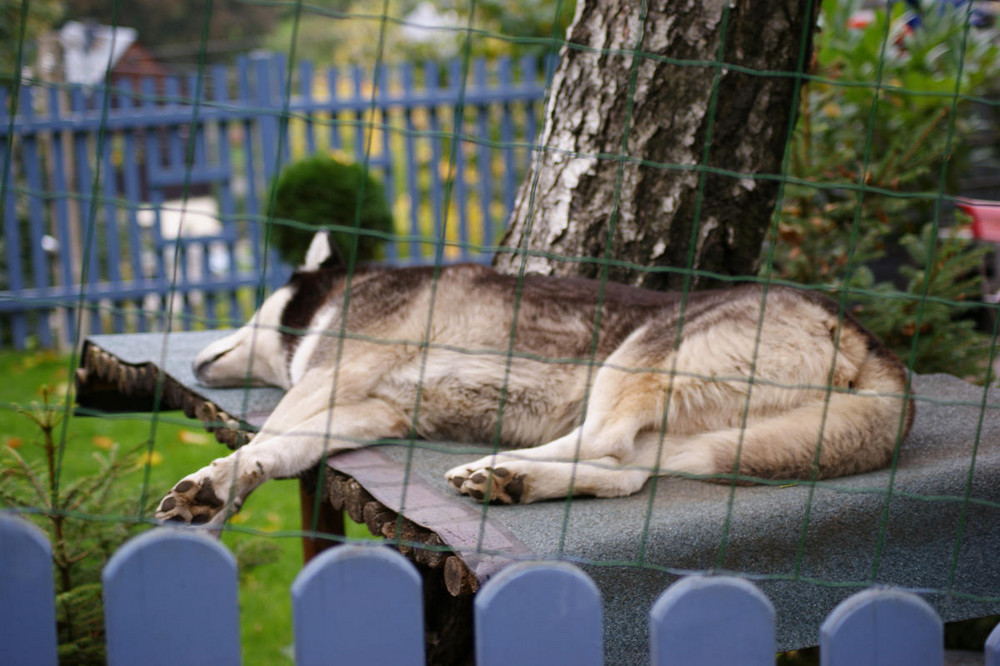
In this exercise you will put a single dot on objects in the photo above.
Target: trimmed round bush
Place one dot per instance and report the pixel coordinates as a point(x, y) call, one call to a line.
point(320, 191)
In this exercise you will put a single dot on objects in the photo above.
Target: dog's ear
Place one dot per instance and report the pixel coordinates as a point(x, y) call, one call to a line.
point(322, 252)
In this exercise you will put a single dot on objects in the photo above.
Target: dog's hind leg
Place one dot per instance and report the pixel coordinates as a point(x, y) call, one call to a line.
point(849, 433)
point(281, 450)
point(525, 481)
point(555, 470)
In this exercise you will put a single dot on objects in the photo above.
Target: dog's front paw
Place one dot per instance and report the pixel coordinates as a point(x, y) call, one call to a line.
point(195, 500)
point(488, 484)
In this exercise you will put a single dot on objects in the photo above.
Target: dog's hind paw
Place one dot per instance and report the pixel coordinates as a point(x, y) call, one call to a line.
point(193, 502)
point(489, 484)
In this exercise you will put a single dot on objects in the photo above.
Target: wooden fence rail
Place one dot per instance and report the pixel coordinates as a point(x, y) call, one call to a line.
point(171, 598)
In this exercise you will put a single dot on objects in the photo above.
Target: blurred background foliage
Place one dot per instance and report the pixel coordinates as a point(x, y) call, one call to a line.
point(887, 124)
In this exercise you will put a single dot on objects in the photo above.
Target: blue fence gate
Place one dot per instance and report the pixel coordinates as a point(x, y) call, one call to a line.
point(132, 203)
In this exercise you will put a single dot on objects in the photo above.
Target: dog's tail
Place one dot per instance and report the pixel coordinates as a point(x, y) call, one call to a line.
point(846, 431)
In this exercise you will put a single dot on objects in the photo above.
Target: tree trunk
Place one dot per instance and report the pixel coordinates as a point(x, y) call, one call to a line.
point(620, 173)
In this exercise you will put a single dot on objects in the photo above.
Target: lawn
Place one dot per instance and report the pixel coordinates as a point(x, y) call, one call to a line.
point(179, 446)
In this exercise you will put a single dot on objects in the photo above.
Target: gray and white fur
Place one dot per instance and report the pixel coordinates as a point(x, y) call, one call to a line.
point(757, 381)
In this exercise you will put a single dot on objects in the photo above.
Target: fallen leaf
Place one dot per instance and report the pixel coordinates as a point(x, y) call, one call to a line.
point(193, 437)
point(102, 442)
point(151, 458)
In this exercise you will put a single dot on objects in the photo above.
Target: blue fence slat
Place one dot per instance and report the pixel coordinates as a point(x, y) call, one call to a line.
point(306, 93)
point(12, 239)
point(882, 627)
point(412, 164)
point(388, 176)
point(27, 595)
point(110, 242)
point(282, 102)
point(460, 83)
point(130, 183)
point(61, 209)
point(36, 217)
point(432, 81)
point(170, 597)
point(332, 83)
point(702, 621)
point(84, 181)
point(361, 129)
point(507, 137)
point(227, 204)
point(484, 158)
point(266, 99)
point(252, 201)
point(540, 614)
point(358, 605)
point(992, 649)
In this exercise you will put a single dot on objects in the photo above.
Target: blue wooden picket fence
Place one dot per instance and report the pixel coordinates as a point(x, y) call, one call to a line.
point(171, 597)
point(131, 200)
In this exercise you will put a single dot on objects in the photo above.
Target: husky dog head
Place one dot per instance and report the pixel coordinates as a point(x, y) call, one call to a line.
point(260, 353)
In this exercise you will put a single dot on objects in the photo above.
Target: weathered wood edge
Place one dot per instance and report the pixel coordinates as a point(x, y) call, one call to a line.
point(450, 534)
point(101, 372)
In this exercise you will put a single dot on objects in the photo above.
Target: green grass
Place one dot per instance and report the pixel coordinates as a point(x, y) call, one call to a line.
point(179, 446)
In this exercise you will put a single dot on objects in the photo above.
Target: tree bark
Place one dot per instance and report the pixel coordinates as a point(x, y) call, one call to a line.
point(619, 176)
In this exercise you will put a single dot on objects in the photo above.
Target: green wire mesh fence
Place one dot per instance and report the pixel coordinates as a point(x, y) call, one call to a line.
point(871, 184)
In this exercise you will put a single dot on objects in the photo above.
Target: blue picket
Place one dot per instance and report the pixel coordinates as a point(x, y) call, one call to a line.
point(701, 621)
point(359, 605)
point(882, 627)
point(27, 595)
point(993, 647)
point(170, 597)
point(542, 614)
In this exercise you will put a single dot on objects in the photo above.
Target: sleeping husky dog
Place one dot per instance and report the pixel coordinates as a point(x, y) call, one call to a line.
point(607, 384)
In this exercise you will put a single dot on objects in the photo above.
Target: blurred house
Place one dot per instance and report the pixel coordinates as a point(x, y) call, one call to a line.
point(85, 52)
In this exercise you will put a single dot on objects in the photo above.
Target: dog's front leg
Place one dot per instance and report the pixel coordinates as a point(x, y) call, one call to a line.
point(218, 490)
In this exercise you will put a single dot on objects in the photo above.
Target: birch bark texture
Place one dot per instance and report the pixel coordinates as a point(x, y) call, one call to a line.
point(645, 96)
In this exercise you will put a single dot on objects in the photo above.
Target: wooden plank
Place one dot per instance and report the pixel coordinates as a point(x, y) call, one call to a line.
point(539, 613)
point(170, 597)
point(358, 605)
point(701, 621)
point(882, 627)
point(27, 595)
